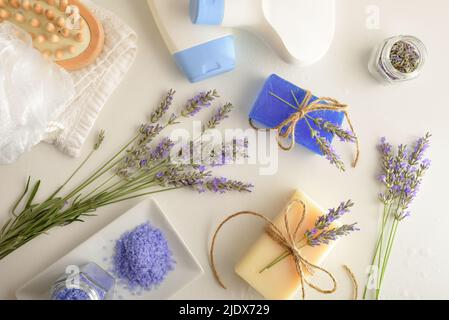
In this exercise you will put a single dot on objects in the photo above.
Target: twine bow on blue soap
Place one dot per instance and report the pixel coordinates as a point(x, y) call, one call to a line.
point(286, 130)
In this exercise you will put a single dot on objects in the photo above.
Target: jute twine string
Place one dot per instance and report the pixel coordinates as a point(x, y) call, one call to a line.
point(354, 282)
point(287, 241)
point(303, 109)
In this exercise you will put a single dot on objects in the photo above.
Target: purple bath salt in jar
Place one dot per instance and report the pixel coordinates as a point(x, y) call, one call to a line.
point(89, 282)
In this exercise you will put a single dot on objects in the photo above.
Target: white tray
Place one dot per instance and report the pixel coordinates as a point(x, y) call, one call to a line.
point(100, 247)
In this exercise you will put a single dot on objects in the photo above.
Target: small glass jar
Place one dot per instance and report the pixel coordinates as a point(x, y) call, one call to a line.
point(90, 282)
point(382, 65)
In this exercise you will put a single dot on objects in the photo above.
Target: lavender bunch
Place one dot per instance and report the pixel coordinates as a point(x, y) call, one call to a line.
point(324, 231)
point(141, 167)
point(401, 175)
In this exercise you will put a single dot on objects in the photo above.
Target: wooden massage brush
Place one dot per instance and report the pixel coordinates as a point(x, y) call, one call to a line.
point(62, 30)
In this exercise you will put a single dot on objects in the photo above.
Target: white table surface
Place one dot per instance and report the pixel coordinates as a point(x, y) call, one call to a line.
point(419, 264)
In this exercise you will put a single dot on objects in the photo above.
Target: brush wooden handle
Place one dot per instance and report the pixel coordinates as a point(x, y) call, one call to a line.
point(96, 44)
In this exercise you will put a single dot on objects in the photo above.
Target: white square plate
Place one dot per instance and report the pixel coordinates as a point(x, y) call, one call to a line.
point(100, 247)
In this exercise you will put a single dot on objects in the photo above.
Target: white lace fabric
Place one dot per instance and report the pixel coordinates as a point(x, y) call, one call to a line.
point(33, 93)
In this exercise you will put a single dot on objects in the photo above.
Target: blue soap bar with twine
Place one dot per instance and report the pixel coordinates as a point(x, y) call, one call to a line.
point(270, 111)
point(302, 118)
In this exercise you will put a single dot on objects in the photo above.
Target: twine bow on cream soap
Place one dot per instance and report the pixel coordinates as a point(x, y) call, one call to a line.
point(286, 240)
point(286, 129)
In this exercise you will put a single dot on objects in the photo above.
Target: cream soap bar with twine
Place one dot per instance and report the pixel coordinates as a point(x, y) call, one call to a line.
point(282, 281)
point(64, 31)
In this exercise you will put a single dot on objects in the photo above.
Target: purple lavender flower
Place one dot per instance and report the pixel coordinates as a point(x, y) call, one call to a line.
point(420, 148)
point(143, 163)
point(222, 185)
point(385, 148)
point(222, 114)
point(402, 174)
point(329, 235)
point(180, 176)
point(150, 130)
point(402, 215)
point(328, 150)
point(195, 105)
point(162, 150)
point(323, 232)
point(425, 164)
point(334, 214)
point(229, 153)
point(142, 156)
point(344, 135)
point(163, 107)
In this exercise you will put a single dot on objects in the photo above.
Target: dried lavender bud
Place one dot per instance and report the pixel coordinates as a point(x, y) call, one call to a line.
point(163, 107)
point(149, 132)
point(100, 140)
point(344, 135)
point(330, 235)
point(177, 176)
point(222, 114)
point(222, 185)
point(162, 150)
point(420, 149)
point(328, 150)
point(334, 214)
point(405, 57)
point(226, 154)
point(195, 105)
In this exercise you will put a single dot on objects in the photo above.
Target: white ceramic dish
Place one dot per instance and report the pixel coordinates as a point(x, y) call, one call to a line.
point(99, 249)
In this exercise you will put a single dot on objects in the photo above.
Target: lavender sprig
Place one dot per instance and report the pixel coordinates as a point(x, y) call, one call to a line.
point(222, 114)
point(334, 214)
point(181, 176)
point(401, 174)
point(163, 107)
point(323, 232)
point(100, 140)
point(199, 180)
point(421, 146)
point(328, 150)
point(344, 135)
point(195, 105)
point(223, 185)
point(158, 153)
point(329, 235)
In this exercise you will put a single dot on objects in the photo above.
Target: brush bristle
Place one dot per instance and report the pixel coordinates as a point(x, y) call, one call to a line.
point(56, 29)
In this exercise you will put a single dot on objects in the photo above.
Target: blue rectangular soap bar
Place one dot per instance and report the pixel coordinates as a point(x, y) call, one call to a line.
point(270, 112)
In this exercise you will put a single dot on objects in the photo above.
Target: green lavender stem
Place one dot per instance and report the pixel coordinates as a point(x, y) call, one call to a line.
point(283, 256)
point(378, 250)
point(386, 258)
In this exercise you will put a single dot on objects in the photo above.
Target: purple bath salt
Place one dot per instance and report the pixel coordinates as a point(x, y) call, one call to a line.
point(72, 294)
point(89, 282)
point(142, 258)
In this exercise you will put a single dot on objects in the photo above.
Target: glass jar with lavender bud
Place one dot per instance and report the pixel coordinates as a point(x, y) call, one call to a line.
point(398, 59)
point(90, 282)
